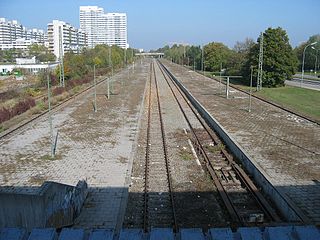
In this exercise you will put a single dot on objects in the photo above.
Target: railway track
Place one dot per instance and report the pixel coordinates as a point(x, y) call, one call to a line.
point(159, 208)
point(244, 202)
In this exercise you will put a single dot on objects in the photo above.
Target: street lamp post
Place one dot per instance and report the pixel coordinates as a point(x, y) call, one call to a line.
point(202, 61)
point(95, 88)
point(250, 92)
point(303, 56)
point(315, 63)
point(50, 116)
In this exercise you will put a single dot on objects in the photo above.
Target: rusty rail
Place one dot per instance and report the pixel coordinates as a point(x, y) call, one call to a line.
point(234, 211)
point(165, 152)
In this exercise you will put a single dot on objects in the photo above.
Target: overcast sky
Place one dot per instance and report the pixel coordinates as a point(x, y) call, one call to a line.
point(153, 24)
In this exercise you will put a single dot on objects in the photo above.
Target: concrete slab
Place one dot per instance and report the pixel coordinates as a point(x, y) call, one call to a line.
point(161, 234)
point(283, 233)
point(43, 234)
point(192, 234)
point(72, 234)
point(220, 234)
point(101, 234)
point(307, 232)
point(13, 234)
point(133, 234)
point(250, 233)
point(246, 233)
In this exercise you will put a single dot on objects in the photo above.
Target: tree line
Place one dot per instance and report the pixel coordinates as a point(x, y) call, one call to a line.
point(280, 60)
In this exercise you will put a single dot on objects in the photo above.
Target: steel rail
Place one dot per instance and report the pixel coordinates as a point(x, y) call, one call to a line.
point(175, 226)
point(264, 205)
point(145, 215)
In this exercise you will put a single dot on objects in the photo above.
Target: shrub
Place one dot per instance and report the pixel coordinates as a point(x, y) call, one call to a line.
point(8, 95)
point(4, 115)
point(33, 92)
point(22, 106)
point(57, 91)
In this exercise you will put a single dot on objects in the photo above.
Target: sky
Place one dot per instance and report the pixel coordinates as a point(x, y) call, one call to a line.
point(155, 23)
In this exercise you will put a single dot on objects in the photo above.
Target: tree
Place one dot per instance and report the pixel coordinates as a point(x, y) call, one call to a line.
point(41, 53)
point(194, 55)
point(310, 53)
point(279, 61)
point(239, 56)
point(7, 55)
point(215, 55)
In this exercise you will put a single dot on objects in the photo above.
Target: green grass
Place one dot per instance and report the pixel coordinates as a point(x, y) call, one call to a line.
point(300, 100)
point(303, 101)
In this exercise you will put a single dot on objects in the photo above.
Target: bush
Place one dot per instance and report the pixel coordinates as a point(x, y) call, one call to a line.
point(8, 95)
point(22, 106)
point(4, 115)
point(57, 91)
point(33, 92)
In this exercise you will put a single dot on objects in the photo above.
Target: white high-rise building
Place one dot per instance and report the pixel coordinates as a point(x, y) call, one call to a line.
point(117, 29)
point(103, 28)
point(72, 39)
point(93, 24)
point(11, 31)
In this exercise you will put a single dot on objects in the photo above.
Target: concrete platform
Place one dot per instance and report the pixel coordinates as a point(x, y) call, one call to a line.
point(53, 205)
point(268, 233)
point(278, 148)
point(96, 146)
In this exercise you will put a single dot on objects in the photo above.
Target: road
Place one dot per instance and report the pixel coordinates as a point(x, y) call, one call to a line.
point(309, 84)
point(308, 76)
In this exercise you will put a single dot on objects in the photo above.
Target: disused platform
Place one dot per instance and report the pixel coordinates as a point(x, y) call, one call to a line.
point(281, 147)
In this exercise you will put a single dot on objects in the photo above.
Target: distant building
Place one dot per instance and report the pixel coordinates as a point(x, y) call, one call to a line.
point(20, 43)
point(93, 24)
point(31, 68)
point(72, 39)
point(117, 29)
point(103, 28)
point(36, 34)
point(12, 33)
point(26, 60)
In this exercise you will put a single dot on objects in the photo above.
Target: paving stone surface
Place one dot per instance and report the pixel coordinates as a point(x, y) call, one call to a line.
point(93, 146)
point(285, 146)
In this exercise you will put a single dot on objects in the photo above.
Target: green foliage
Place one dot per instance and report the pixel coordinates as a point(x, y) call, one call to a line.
point(279, 61)
point(41, 53)
point(8, 55)
point(77, 66)
point(183, 54)
point(238, 58)
point(33, 92)
point(216, 54)
point(310, 54)
point(194, 55)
